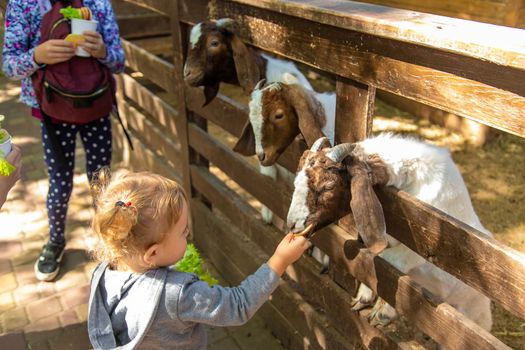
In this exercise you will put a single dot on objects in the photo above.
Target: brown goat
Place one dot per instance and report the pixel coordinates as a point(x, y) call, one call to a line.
point(216, 54)
point(324, 177)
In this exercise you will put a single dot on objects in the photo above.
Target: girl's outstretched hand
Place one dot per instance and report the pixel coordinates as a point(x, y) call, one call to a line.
point(54, 51)
point(287, 252)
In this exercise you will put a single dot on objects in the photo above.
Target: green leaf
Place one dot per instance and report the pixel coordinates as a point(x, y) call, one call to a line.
point(70, 12)
point(192, 263)
point(6, 168)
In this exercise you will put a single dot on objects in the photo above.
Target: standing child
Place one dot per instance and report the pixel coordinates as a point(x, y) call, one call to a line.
point(136, 299)
point(28, 55)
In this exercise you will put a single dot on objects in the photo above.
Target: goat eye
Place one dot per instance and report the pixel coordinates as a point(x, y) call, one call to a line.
point(279, 116)
point(214, 43)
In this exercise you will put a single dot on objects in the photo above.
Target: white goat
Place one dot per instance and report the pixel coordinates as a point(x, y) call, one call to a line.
point(426, 172)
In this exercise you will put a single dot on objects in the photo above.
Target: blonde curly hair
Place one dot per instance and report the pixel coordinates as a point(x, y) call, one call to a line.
point(133, 212)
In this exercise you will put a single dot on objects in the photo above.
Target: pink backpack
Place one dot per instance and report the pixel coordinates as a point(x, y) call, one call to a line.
point(79, 90)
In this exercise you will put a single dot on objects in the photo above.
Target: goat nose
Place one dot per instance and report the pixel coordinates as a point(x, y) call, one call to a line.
point(291, 226)
point(261, 156)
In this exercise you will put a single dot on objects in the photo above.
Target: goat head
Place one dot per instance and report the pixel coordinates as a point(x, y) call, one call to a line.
point(278, 113)
point(329, 182)
point(216, 54)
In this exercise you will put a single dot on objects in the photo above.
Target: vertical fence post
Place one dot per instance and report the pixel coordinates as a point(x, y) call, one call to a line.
point(189, 156)
point(354, 110)
point(353, 122)
point(178, 61)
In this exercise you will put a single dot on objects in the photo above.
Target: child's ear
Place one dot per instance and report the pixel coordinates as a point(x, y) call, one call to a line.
point(150, 255)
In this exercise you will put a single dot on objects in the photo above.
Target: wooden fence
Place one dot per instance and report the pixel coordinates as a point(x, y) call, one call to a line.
point(470, 69)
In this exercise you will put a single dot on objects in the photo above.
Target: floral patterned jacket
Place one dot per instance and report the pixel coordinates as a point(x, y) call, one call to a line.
point(22, 34)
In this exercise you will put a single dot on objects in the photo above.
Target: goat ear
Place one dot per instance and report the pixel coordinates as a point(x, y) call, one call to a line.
point(210, 91)
point(366, 209)
point(246, 143)
point(245, 64)
point(310, 113)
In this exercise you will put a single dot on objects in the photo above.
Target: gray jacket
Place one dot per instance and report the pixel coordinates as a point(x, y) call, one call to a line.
point(167, 309)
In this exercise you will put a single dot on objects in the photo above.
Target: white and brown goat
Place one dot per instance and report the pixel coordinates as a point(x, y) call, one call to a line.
point(331, 180)
point(216, 54)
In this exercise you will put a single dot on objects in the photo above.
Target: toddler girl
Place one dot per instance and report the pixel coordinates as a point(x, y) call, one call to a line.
point(136, 299)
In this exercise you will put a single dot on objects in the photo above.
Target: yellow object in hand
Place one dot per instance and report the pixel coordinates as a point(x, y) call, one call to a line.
point(75, 39)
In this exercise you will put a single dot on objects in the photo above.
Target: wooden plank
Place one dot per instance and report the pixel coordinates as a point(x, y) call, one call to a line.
point(453, 84)
point(161, 144)
point(268, 192)
point(489, 11)
point(321, 289)
point(143, 25)
point(480, 261)
point(159, 6)
point(222, 111)
point(156, 69)
point(500, 45)
point(436, 318)
point(248, 257)
point(354, 110)
point(159, 45)
point(162, 113)
point(142, 159)
point(195, 11)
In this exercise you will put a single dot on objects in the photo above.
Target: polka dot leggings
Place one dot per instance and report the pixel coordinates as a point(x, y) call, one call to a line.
point(96, 138)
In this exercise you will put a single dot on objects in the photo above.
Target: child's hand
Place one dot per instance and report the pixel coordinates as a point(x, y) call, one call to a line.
point(54, 51)
point(94, 44)
point(287, 252)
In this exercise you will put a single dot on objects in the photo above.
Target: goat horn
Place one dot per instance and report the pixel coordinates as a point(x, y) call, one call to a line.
point(260, 84)
point(318, 143)
point(225, 23)
point(339, 152)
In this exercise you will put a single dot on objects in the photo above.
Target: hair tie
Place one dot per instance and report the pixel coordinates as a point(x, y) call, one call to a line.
point(122, 204)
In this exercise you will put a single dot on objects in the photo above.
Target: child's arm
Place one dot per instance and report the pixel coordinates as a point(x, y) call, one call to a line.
point(114, 59)
point(220, 306)
point(17, 57)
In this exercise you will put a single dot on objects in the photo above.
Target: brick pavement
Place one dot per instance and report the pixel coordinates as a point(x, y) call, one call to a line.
point(52, 316)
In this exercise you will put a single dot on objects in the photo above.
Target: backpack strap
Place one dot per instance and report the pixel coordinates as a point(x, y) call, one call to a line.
point(117, 114)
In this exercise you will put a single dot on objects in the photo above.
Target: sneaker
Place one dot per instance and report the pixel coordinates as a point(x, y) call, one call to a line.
point(48, 264)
